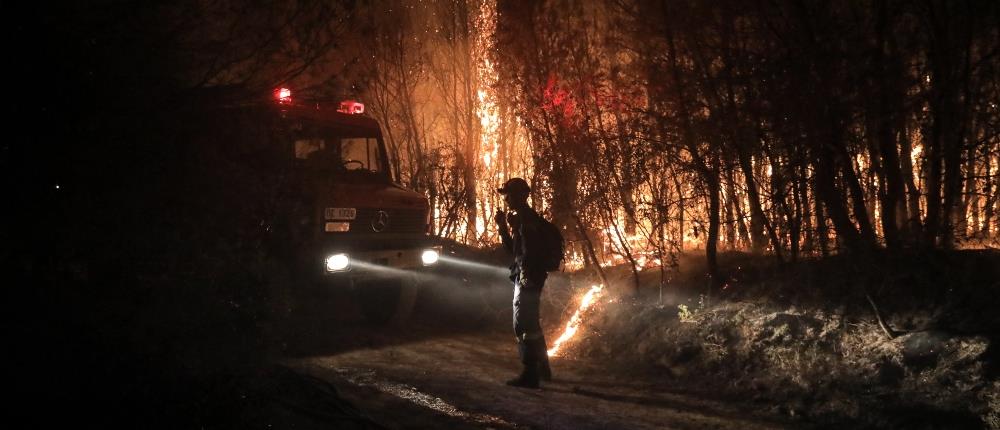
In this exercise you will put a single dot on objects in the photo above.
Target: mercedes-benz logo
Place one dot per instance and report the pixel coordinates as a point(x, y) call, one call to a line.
point(380, 222)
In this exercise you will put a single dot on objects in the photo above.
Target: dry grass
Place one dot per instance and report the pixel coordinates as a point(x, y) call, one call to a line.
point(808, 354)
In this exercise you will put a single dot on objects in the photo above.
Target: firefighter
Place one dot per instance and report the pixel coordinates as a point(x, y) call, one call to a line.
point(520, 230)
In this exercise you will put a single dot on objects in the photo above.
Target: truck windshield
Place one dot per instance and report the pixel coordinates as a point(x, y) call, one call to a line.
point(350, 154)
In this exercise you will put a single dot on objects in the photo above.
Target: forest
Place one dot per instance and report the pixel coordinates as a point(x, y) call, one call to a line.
point(795, 129)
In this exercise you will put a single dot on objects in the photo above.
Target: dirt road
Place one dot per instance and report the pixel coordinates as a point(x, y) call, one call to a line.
point(456, 381)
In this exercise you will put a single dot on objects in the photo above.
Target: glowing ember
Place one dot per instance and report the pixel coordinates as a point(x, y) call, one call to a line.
point(574, 322)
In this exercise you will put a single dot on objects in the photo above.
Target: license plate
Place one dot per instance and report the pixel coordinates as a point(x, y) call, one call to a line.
point(341, 213)
point(331, 227)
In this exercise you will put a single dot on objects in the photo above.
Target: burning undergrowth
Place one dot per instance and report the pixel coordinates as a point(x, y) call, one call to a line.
point(582, 310)
point(815, 349)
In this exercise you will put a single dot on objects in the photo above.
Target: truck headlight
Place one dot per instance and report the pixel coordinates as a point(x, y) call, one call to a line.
point(337, 263)
point(430, 257)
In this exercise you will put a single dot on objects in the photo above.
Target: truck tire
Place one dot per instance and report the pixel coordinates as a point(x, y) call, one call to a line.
point(387, 302)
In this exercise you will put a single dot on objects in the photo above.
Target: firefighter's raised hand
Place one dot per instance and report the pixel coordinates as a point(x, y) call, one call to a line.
point(501, 219)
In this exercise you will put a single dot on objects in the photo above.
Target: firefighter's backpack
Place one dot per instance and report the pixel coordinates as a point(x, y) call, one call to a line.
point(554, 245)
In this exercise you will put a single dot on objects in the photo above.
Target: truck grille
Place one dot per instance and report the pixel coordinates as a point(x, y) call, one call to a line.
point(396, 221)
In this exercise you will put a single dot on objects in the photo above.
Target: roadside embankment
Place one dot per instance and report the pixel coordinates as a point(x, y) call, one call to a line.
point(805, 338)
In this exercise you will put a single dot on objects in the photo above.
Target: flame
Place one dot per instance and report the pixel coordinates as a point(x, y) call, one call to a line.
point(573, 325)
point(502, 149)
point(574, 261)
point(915, 153)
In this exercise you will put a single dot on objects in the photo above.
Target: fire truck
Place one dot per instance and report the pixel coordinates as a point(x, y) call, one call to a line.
point(353, 225)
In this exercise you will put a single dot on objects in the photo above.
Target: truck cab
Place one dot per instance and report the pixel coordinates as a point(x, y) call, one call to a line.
point(354, 226)
point(361, 220)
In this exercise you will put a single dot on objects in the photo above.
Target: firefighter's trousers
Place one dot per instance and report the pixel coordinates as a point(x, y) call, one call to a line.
point(527, 324)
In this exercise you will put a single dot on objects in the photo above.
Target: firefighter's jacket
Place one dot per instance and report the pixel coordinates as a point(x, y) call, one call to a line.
point(525, 243)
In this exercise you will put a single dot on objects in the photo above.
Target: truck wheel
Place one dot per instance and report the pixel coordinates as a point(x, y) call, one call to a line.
point(387, 302)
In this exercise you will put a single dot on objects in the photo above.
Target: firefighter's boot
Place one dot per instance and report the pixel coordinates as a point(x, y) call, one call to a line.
point(529, 358)
point(544, 370)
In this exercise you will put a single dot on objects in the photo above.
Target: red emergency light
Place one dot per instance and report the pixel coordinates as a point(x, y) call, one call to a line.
point(283, 95)
point(351, 107)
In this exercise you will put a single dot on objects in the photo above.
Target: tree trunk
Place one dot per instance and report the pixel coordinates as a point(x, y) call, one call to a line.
point(808, 244)
point(988, 198)
point(711, 243)
point(469, 176)
point(833, 199)
point(994, 201)
point(887, 113)
point(968, 199)
point(731, 218)
point(590, 255)
point(757, 240)
point(867, 232)
point(947, 76)
point(913, 222)
point(740, 214)
point(932, 221)
point(822, 236)
point(680, 213)
point(795, 228)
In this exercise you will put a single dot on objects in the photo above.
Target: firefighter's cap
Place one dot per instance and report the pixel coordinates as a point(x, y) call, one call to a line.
point(514, 185)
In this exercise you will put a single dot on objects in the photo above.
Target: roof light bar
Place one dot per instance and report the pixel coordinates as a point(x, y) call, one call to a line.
point(283, 95)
